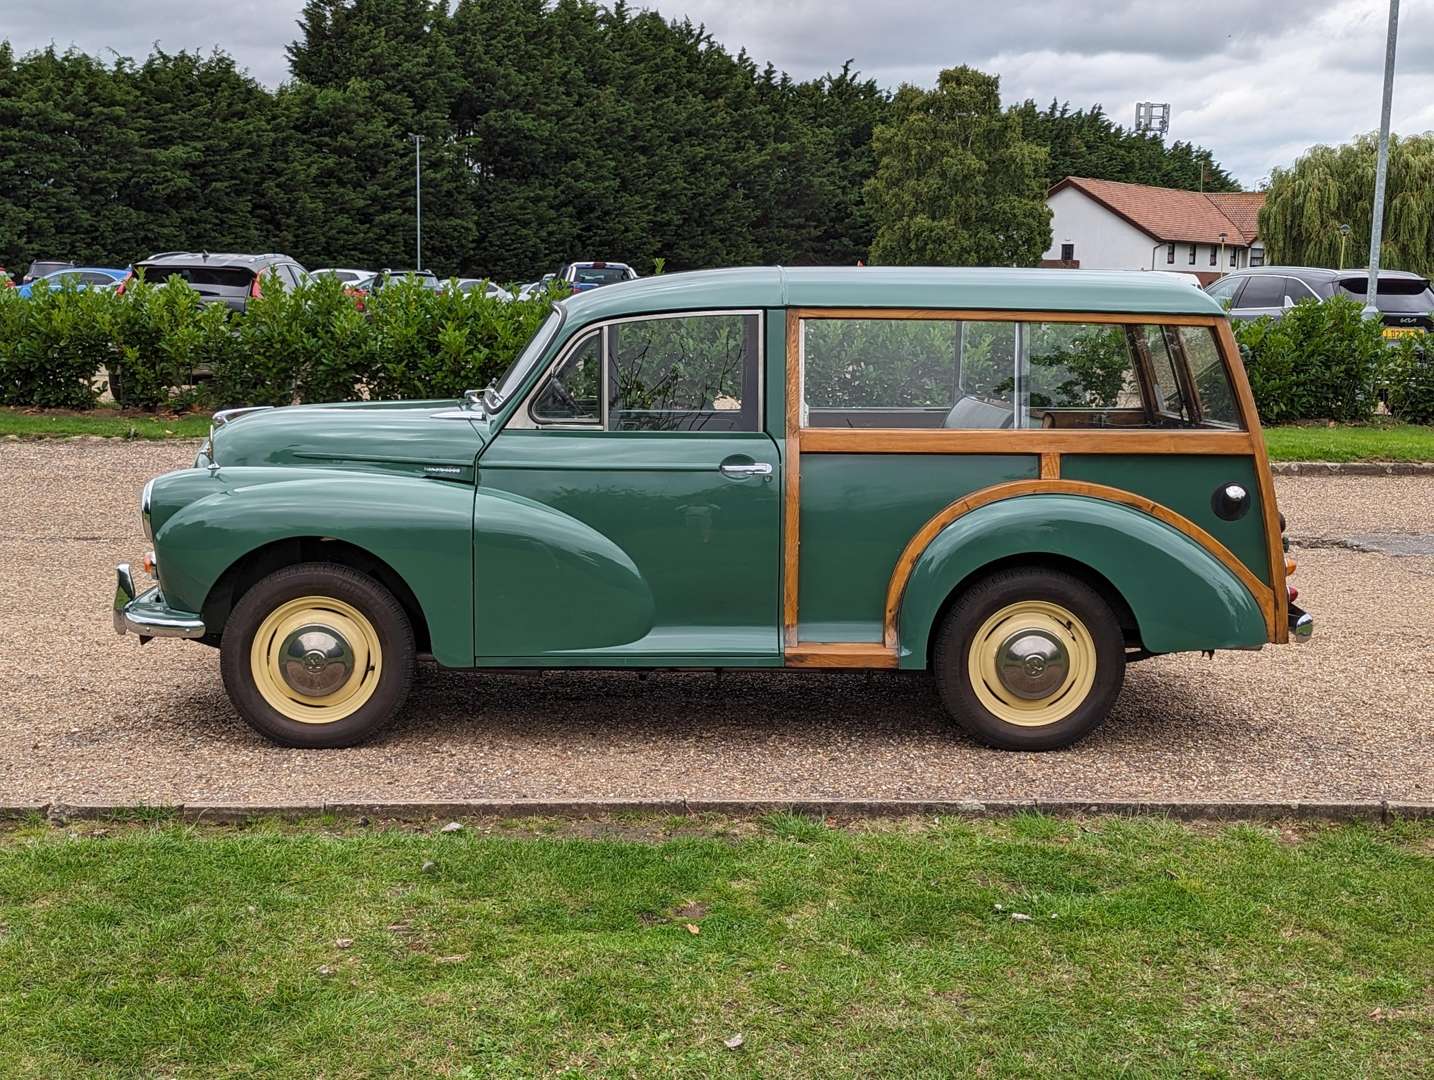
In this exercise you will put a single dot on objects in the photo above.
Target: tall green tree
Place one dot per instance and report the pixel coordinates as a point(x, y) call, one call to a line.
point(957, 183)
point(1331, 186)
point(1086, 142)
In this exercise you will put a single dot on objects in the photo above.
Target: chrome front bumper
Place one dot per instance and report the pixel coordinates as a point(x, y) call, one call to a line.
point(147, 615)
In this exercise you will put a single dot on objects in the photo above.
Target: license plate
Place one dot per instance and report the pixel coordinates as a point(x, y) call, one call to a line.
point(1403, 331)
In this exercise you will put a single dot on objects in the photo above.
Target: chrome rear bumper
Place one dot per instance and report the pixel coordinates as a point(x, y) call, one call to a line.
point(147, 615)
point(1301, 625)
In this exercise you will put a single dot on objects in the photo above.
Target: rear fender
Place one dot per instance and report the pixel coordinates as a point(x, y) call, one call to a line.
point(1183, 598)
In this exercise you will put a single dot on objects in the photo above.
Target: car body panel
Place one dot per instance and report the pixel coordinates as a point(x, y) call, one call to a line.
point(702, 551)
point(847, 559)
point(1183, 598)
point(420, 529)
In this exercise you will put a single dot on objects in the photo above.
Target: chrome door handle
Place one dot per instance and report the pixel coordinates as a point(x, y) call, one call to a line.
point(760, 468)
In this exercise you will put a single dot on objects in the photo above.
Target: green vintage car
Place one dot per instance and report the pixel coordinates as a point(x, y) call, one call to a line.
point(1017, 480)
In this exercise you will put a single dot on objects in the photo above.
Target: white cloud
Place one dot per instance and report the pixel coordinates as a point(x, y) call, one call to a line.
point(1256, 83)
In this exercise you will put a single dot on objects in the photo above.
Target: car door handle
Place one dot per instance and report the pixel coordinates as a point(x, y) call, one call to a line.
point(760, 468)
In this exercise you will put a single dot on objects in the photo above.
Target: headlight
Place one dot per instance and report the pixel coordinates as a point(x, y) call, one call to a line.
point(145, 499)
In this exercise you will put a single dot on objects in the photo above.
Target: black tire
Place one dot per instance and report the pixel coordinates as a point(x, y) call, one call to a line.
point(390, 628)
point(952, 660)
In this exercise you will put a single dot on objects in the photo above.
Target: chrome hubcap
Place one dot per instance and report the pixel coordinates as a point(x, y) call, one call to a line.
point(1032, 664)
point(316, 660)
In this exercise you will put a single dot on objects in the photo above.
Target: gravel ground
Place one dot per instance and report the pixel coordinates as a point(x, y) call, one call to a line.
point(91, 717)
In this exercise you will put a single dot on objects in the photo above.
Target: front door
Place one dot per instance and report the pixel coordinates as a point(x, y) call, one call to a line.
point(629, 512)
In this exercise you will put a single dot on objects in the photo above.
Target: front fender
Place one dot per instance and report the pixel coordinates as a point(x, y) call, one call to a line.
point(421, 528)
point(1183, 597)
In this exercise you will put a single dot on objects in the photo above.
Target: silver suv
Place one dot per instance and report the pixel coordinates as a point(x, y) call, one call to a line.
point(1405, 300)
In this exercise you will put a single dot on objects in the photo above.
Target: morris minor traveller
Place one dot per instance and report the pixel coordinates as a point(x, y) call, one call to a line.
point(1017, 480)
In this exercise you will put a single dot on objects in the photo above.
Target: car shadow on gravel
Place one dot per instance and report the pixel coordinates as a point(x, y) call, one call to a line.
point(593, 709)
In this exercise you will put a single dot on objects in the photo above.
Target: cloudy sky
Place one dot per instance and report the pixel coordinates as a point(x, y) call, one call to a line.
point(1257, 83)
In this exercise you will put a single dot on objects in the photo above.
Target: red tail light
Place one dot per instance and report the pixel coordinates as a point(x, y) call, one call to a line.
point(124, 284)
point(254, 291)
point(1294, 593)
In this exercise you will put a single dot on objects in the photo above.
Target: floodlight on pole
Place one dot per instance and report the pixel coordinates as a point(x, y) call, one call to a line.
point(418, 198)
point(1381, 169)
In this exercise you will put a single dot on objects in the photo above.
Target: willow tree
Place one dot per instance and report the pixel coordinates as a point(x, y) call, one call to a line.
point(1333, 186)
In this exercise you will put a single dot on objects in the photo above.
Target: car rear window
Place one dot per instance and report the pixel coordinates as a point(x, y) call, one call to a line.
point(599, 275)
point(1395, 294)
point(212, 279)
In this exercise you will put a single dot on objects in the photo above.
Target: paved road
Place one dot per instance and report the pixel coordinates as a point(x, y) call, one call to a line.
point(87, 716)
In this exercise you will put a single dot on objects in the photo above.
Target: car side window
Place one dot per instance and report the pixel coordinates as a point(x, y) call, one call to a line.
point(679, 373)
point(1209, 378)
point(1225, 289)
point(1263, 291)
point(882, 372)
point(573, 394)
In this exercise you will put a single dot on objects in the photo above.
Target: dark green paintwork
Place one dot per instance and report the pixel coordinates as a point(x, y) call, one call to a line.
point(631, 549)
point(655, 556)
point(399, 438)
point(1185, 483)
point(421, 528)
point(858, 513)
point(1183, 598)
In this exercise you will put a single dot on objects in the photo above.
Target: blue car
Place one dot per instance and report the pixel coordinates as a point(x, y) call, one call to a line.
point(83, 277)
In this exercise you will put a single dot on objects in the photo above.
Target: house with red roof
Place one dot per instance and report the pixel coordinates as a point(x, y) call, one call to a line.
point(1108, 225)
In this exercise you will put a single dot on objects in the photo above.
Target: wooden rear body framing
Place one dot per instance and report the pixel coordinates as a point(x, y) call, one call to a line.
point(1045, 443)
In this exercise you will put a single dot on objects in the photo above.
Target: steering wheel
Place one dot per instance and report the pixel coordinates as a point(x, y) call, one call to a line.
point(563, 398)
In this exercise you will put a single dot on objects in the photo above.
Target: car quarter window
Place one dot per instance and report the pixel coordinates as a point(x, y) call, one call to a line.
point(699, 372)
point(978, 374)
point(1209, 378)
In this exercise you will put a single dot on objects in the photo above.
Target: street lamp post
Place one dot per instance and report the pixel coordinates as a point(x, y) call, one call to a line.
point(418, 198)
point(1376, 228)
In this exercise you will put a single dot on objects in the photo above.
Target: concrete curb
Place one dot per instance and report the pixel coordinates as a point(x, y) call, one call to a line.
point(1382, 811)
point(1352, 468)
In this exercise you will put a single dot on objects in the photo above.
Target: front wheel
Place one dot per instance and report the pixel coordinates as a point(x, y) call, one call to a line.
point(1029, 660)
point(317, 655)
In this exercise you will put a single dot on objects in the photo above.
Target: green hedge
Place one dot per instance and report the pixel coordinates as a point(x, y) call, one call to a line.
point(312, 344)
point(1324, 361)
point(1321, 361)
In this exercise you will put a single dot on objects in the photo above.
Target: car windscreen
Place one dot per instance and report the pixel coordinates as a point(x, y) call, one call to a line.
point(520, 367)
point(1395, 294)
point(599, 275)
point(213, 280)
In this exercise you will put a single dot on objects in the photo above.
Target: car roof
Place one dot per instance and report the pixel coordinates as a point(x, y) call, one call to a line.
point(994, 289)
point(87, 269)
point(213, 258)
point(1324, 273)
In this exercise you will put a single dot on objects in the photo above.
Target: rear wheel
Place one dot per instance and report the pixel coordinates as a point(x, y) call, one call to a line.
point(1029, 660)
point(317, 655)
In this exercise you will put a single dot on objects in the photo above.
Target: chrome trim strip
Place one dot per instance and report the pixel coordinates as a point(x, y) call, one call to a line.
point(225, 416)
point(146, 501)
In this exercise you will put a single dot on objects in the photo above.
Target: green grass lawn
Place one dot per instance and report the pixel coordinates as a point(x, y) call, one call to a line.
point(1152, 949)
point(1375, 442)
point(109, 423)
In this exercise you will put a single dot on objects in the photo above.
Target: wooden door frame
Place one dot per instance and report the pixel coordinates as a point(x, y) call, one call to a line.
point(1044, 443)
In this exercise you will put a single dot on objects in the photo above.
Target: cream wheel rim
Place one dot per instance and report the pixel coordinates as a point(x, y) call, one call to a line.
point(316, 660)
point(1032, 663)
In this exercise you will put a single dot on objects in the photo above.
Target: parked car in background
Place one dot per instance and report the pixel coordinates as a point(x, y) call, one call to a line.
point(526, 291)
point(1039, 478)
point(1404, 299)
point(81, 277)
point(355, 279)
point(232, 280)
point(6, 282)
point(427, 278)
point(582, 276)
point(483, 285)
point(40, 267)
